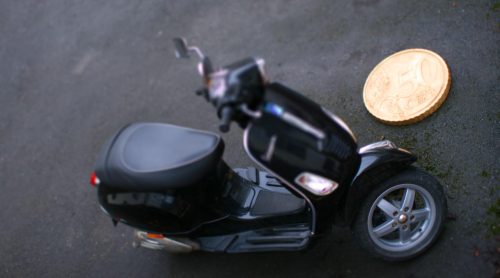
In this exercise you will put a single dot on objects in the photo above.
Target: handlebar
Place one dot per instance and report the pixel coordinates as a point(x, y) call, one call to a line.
point(229, 88)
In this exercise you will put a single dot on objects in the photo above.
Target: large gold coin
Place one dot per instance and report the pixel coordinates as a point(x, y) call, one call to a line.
point(407, 86)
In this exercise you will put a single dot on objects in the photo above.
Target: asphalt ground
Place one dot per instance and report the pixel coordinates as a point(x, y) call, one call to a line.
point(73, 72)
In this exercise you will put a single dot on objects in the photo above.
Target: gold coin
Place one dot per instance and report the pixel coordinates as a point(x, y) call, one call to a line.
point(407, 86)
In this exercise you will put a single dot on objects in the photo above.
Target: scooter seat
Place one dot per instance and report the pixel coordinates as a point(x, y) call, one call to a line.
point(157, 157)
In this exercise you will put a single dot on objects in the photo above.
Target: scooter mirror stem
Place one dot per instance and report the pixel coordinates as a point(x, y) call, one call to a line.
point(182, 49)
point(197, 51)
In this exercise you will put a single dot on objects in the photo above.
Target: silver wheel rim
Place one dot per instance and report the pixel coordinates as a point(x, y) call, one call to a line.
point(402, 217)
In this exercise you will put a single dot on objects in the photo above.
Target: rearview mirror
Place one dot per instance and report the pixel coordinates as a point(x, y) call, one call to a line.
point(181, 48)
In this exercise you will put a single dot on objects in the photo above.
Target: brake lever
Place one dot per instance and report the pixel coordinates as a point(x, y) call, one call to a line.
point(250, 113)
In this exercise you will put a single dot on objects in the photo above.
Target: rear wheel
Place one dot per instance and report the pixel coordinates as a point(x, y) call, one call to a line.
point(402, 216)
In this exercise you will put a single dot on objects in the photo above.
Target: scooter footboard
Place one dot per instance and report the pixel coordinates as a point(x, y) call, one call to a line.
point(285, 238)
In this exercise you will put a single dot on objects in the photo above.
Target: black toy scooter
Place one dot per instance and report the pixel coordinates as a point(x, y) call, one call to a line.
point(171, 184)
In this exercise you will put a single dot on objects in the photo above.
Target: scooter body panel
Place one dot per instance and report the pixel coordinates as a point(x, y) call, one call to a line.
point(173, 211)
point(377, 165)
point(317, 143)
point(225, 202)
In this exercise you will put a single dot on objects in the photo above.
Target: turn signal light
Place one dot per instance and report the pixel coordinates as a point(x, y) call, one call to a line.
point(94, 180)
point(315, 184)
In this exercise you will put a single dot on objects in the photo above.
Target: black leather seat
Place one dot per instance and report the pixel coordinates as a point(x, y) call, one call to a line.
point(157, 157)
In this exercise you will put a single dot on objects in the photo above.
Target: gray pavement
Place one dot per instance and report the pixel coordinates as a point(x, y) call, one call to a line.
point(72, 72)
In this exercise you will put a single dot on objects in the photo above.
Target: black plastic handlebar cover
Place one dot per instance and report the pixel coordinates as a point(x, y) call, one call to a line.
point(226, 114)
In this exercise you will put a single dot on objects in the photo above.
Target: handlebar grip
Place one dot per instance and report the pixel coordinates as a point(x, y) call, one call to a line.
point(202, 92)
point(226, 115)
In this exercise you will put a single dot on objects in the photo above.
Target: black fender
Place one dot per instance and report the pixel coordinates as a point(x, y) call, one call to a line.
point(377, 165)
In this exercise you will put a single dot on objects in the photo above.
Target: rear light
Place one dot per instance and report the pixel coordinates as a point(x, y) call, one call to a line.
point(94, 180)
point(155, 236)
point(315, 184)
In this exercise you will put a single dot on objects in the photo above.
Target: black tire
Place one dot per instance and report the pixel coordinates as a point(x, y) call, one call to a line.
point(406, 233)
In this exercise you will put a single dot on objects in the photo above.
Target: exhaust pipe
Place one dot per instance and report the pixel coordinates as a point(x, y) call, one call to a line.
point(177, 245)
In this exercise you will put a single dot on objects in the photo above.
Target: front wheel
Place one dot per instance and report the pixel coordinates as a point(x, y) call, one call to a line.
point(402, 217)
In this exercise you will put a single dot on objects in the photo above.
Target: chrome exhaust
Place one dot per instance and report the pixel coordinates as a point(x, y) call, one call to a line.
point(173, 245)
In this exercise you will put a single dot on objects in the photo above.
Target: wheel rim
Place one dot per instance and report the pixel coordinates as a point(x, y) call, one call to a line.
point(402, 217)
